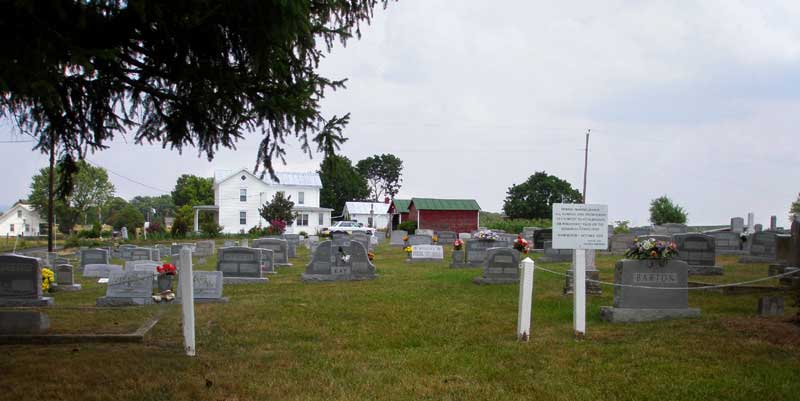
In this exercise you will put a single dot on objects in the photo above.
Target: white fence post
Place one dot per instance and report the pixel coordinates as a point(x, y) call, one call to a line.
point(525, 299)
point(186, 282)
point(579, 314)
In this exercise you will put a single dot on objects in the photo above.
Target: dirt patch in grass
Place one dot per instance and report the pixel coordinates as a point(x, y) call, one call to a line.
point(779, 331)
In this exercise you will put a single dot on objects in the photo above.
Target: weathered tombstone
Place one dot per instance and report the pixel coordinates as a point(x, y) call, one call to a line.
point(339, 263)
point(464, 236)
point(641, 231)
point(361, 238)
point(699, 252)
point(737, 225)
point(540, 236)
point(418, 239)
point(293, 240)
point(207, 287)
point(21, 281)
point(770, 306)
point(142, 266)
point(446, 237)
point(23, 322)
point(125, 251)
point(476, 251)
point(280, 247)
point(773, 223)
point(620, 243)
point(267, 261)
point(783, 244)
point(501, 267)
point(424, 231)
point(65, 278)
point(94, 256)
point(139, 254)
point(458, 258)
point(762, 248)
point(592, 275)
point(555, 255)
point(240, 265)
point(758, 228)
point(203, 249)
point(727, 242)
point(632, 303)
point(128, 289)
point(229, 243)
point(244, 243)
point(100, 270)
point(674, 228)
point(426, 253)
point(163, 251)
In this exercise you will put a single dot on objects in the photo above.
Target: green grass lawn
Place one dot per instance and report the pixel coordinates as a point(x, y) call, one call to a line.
point(419, 331)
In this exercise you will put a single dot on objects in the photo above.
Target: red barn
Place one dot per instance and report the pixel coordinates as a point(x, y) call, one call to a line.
point(459, 215)
point(399, 212)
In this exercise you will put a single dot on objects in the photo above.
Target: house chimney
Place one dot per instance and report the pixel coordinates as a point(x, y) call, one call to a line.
point(386, 200)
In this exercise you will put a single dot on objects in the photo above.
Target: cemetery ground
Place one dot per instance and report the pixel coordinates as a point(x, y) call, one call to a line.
point(418, 331)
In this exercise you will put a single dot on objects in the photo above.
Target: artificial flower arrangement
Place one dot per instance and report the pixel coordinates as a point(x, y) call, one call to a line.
point(405, 238)
point(487, 235)
point(435, 238)
point(370, 255)
point(458, 245)
point(167, 268)
point(48, 278)
point(521, 244)
point(649, 248)
point(408, 249)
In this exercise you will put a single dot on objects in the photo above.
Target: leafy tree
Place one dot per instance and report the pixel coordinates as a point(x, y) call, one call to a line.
point(794, 210)
point(184, 221)
point(341, 183)
point(193, 191)
point(663, 211)
point(280, 209)
point(534, 198)
point(383, 174)
point(91, 188)
point(199, 73)
point(129, 216)
point(163, 205)
point(621, 227)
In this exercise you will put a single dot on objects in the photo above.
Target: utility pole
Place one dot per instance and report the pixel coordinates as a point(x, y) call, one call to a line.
point(585, 163)
point(51, 195)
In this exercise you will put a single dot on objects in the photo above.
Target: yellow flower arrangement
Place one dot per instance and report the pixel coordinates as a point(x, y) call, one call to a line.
point(408, 249)
point(435, 238)
point(48, 277)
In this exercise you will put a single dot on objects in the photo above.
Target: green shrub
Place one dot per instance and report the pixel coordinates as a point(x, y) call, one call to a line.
point(211, 229)
point(409, 226)
point(496, 221)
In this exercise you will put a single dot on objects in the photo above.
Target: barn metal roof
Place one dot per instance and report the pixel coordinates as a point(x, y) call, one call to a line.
point(401, 205)
point(445, 204)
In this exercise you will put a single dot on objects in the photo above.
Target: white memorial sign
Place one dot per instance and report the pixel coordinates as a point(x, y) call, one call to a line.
point(579, 226)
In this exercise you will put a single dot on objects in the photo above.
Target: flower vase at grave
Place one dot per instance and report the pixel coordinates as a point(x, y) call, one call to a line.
point(458, 258)
point(165, 282)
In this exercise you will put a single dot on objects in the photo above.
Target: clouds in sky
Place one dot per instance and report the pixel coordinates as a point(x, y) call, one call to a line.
point(698, 101)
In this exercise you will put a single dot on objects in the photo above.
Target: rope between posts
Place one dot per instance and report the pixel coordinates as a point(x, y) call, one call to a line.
point(707, 287)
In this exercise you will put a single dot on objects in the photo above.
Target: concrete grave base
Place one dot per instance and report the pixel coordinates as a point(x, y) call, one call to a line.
point(221, 300)
point(631, 315)
point(43, 301)
point(113, 302)
point(244, 280)
point(66, 288)
point(756, 259)
point(24, 322)
point(480, 280)
point(418, 260)
point(318, 278)
point(705, 270)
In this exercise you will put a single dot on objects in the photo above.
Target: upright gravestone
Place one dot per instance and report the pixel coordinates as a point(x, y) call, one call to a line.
point(100, 270)
point(65, 278)
point(773, 223)
point(203, 249)
point(207, 287)
point(125, 252)
point(397, 238)
point(758, 228)
point(418, 239)
point(140, 254)
point(464, 236)
point(292, 240)
point(229, 243)
point(633, 303)
point(555, 255)
point(476, 251)
point(794, 247)
point(267, 261)
point(501, 267)
point(280, 248)
point(148, 266)
point(244, 243)
point(540, 236)
point(240, 265)
point(339, 263)
point(699, 252)
point(94, 256)
point(783, 244)
point(641, 231)
point(592, 275)
point(128, 289)
point(737, 225)
point(424, 231)
point(361, 238)
point(21, 281)
point(727, 242)
point(620, 243)
point(446, 237)
point(762, 248)
point(163, 251)
point(426, 253)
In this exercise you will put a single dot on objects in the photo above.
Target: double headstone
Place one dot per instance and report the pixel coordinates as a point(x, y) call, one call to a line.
point(280, 248)
point(331, 262)
point(292, 240)
point(727, 242)
point(129, 288)
point(204, 249)
point(207, 287)
point(240, 265)
point(501, 267)
point(21, 281)
point(420, 239)
point(637, 301)
point(94, 256)
point(125, 251)
point(477, 250)
point(762, 248)
point(699, 252)
point(100, 270)
point(620, 243)
point(396, 238)
point(446, 237)
point(555, 255)
point(540, 236)
point(424, 231)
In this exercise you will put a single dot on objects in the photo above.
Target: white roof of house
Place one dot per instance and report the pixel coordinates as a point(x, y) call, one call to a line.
point(302, 179)
point(364, 207)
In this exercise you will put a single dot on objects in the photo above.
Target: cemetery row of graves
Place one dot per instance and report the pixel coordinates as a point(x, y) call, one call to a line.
point(404, 291)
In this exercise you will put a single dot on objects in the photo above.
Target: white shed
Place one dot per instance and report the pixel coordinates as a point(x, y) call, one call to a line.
point(370, 214)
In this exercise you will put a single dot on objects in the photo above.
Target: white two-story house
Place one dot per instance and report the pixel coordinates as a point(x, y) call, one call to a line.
point(239, 194)
point(20, 219)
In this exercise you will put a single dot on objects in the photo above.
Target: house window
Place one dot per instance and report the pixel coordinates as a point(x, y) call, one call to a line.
point(27, 228)
point(321, 219)
point(302, 220)
point(301, 198)
point(243, 195)
point(11, 228)
point(242, 218)
point(19, 214)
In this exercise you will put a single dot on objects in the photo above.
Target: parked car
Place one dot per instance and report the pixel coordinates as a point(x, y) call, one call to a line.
point(347, 227)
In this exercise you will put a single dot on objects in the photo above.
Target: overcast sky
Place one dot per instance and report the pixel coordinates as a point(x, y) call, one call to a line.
point(700, 102)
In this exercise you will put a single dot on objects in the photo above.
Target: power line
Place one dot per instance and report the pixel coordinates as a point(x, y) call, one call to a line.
point(129, 179)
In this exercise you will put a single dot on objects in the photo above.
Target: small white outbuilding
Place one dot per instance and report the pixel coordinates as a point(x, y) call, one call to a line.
point(370, 214)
